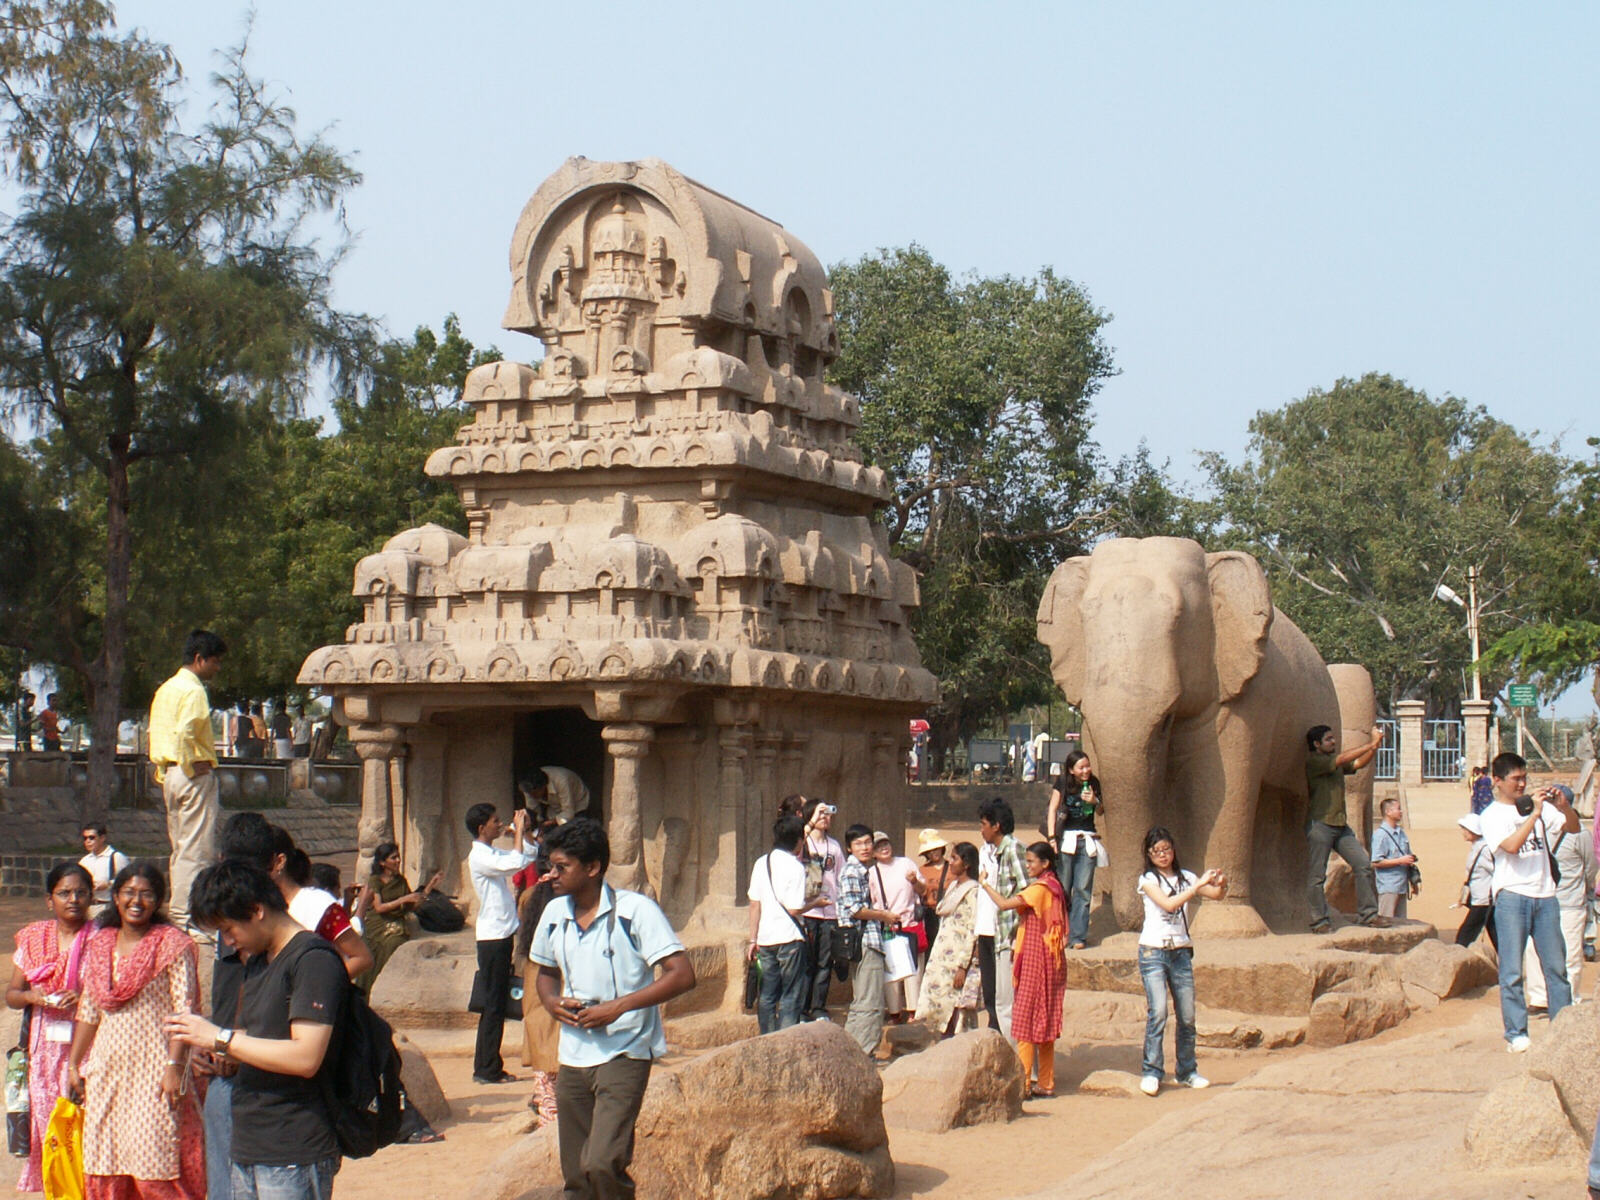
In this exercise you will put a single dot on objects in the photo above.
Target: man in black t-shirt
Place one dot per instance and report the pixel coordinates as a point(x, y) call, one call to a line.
point(283, 1140)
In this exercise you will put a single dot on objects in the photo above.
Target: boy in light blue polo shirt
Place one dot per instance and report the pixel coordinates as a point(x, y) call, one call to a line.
point(598, 949)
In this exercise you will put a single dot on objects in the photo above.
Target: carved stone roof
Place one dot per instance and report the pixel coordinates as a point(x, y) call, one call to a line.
point(671, 494)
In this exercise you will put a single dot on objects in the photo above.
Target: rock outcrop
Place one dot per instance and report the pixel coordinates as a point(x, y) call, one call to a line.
point(972, 1079)
point(796, 1114)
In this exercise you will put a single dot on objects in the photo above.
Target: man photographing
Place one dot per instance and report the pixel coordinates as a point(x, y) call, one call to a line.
point(1520, 829)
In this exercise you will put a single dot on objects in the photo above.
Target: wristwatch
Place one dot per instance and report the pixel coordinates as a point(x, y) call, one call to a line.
point(223, 1040)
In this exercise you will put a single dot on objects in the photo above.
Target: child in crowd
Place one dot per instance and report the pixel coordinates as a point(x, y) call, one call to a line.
point(1166, 954)
point(1476, 895)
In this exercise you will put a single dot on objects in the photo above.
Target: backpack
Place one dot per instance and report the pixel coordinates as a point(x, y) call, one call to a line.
point(437, 914)
point(360, 1079)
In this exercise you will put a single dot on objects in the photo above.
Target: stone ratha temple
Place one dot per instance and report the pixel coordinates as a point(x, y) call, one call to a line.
point(672, 581)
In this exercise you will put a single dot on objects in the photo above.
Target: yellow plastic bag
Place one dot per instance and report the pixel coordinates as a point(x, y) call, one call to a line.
point(61, 1160)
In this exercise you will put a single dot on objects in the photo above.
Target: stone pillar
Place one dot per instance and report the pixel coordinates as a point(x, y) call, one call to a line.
point(418, 825)
point(628, 744)
point(682, 835)
point(791, 764)
point(733, 750)
point(1475, 729)
point(380, 748)
point(1409, 714)
point(762, 809)
point(886, 812)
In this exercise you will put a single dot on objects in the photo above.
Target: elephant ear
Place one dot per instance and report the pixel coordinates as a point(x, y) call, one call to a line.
point(1241, 612)
point(1061, 625)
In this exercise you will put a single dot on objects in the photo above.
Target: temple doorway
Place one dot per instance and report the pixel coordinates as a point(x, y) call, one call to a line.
point(561, 737)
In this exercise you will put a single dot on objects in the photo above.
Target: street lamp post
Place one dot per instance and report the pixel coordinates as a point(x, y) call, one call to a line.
point(1470, 604)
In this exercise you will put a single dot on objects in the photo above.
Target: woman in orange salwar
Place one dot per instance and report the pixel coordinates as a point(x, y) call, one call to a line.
point(142, 1138)
point(1038, 967)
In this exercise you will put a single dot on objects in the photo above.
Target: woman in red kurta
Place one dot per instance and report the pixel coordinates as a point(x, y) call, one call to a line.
point(1038, 967)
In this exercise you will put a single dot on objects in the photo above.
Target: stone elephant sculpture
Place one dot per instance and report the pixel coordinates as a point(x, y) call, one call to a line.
point(1196, 695)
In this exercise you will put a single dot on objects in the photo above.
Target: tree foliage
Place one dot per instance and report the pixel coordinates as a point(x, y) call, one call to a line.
point(161, 292)
point(1560, 644)
point(976, 402)
point(1360, 500)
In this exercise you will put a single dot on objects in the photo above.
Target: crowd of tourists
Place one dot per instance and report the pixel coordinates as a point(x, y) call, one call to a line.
point(976, 931)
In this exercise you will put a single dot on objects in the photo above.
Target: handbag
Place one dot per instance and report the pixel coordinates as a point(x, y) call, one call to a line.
point(512, 1007)
point(847, 943)
point(898, 960)
point(19, 1131)
point(752, 983)
point(61, 1159)
point(437, 914)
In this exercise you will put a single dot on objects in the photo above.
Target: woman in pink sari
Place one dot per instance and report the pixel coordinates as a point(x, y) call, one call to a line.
point(142, 1138)
point(44, 979)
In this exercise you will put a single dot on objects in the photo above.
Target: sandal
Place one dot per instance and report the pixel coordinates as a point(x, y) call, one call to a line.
point(1038, 1093)
point(423, 1137)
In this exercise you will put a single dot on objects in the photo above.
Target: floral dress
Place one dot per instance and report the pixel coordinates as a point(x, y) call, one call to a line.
point(134, 1145)
point(954, 949)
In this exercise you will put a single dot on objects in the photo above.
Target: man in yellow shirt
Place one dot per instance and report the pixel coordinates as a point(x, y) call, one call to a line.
point(185, 757)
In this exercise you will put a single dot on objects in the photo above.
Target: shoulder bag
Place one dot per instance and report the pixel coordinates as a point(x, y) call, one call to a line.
point(19, 1121)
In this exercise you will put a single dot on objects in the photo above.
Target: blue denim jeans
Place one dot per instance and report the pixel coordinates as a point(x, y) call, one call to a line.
point(784, 980)
point(1076, 872)
point(217, 1116)
point(307, 1181)
point(1161, 970)
point(1517, 918)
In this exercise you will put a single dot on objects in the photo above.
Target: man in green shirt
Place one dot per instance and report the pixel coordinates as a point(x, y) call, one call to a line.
point(1328, 830)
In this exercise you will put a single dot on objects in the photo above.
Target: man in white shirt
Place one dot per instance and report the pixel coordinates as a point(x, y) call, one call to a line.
point(554, 794)
point(102, 860)
point(491, 871)
point(1522, 831)
point(777, 939)
point(1575, 857)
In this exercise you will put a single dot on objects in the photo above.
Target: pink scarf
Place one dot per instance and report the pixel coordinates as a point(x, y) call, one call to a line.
point(44, 965)
point(162, 946)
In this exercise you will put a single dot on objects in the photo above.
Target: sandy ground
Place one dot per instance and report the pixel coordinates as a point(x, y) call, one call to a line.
point(1055, 1140)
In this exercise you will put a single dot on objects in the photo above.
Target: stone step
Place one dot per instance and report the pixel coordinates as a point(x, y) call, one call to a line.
point(1120, 1017)
point(1281, 975)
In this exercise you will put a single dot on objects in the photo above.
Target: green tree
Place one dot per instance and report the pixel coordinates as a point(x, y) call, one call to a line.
point(1362, 499)
point(1560, 643)
point(976, 401)
point(159, 285)
point(330, 498)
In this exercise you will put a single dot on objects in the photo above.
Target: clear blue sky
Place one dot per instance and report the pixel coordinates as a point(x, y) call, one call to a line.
point(1265, 196)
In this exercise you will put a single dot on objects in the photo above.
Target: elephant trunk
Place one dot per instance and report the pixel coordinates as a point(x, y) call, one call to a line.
point(1131, 763)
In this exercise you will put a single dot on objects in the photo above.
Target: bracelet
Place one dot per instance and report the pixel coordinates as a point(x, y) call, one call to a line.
point(174, 1062)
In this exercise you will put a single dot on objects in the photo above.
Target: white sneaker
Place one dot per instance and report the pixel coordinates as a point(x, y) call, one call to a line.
point(1196, 1081)
point(1150, 1084)
point(1518, 1044)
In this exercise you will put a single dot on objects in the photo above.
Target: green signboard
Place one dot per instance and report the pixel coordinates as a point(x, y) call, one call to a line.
point(1523, 695)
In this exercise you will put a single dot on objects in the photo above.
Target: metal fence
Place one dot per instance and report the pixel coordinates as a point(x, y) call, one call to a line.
point(1444, 754)
point(1388, 757)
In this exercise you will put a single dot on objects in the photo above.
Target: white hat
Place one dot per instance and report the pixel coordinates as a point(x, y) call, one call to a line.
point(928, 841)
point(1472, 824)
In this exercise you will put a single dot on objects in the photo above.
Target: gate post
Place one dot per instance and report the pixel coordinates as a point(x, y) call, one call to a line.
point(1409, 713)
point(1475, 722)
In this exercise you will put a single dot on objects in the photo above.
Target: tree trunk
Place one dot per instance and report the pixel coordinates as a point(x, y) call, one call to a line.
point(105, 712)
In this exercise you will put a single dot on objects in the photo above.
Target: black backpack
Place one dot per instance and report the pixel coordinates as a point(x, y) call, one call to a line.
point(437, 914)
point(360, 1079)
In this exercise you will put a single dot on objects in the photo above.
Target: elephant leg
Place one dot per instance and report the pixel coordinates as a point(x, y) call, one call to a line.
point(1231, 845)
